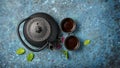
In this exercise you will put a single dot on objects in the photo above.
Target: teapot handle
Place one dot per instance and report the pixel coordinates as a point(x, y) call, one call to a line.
point(18, 33)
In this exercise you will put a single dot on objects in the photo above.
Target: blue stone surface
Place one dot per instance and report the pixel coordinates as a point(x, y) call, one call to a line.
point(97, 20)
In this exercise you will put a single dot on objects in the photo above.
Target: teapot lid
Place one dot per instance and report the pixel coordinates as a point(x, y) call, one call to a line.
point(38, 29)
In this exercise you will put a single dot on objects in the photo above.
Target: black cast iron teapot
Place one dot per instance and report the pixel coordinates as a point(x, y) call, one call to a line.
point(40, 30)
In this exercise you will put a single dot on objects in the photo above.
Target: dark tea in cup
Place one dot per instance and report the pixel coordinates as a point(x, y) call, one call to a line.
point(72, 43)
point(68, 25)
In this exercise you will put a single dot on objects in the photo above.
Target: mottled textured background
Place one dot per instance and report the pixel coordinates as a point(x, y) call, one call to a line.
point(97, 20)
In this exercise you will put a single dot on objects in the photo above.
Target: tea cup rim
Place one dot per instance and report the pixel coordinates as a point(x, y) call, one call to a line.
point(76, 47)
point(74, 25)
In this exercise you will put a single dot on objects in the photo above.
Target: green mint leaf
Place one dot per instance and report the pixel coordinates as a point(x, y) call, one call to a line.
point(20, 51)
point(30, 57)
